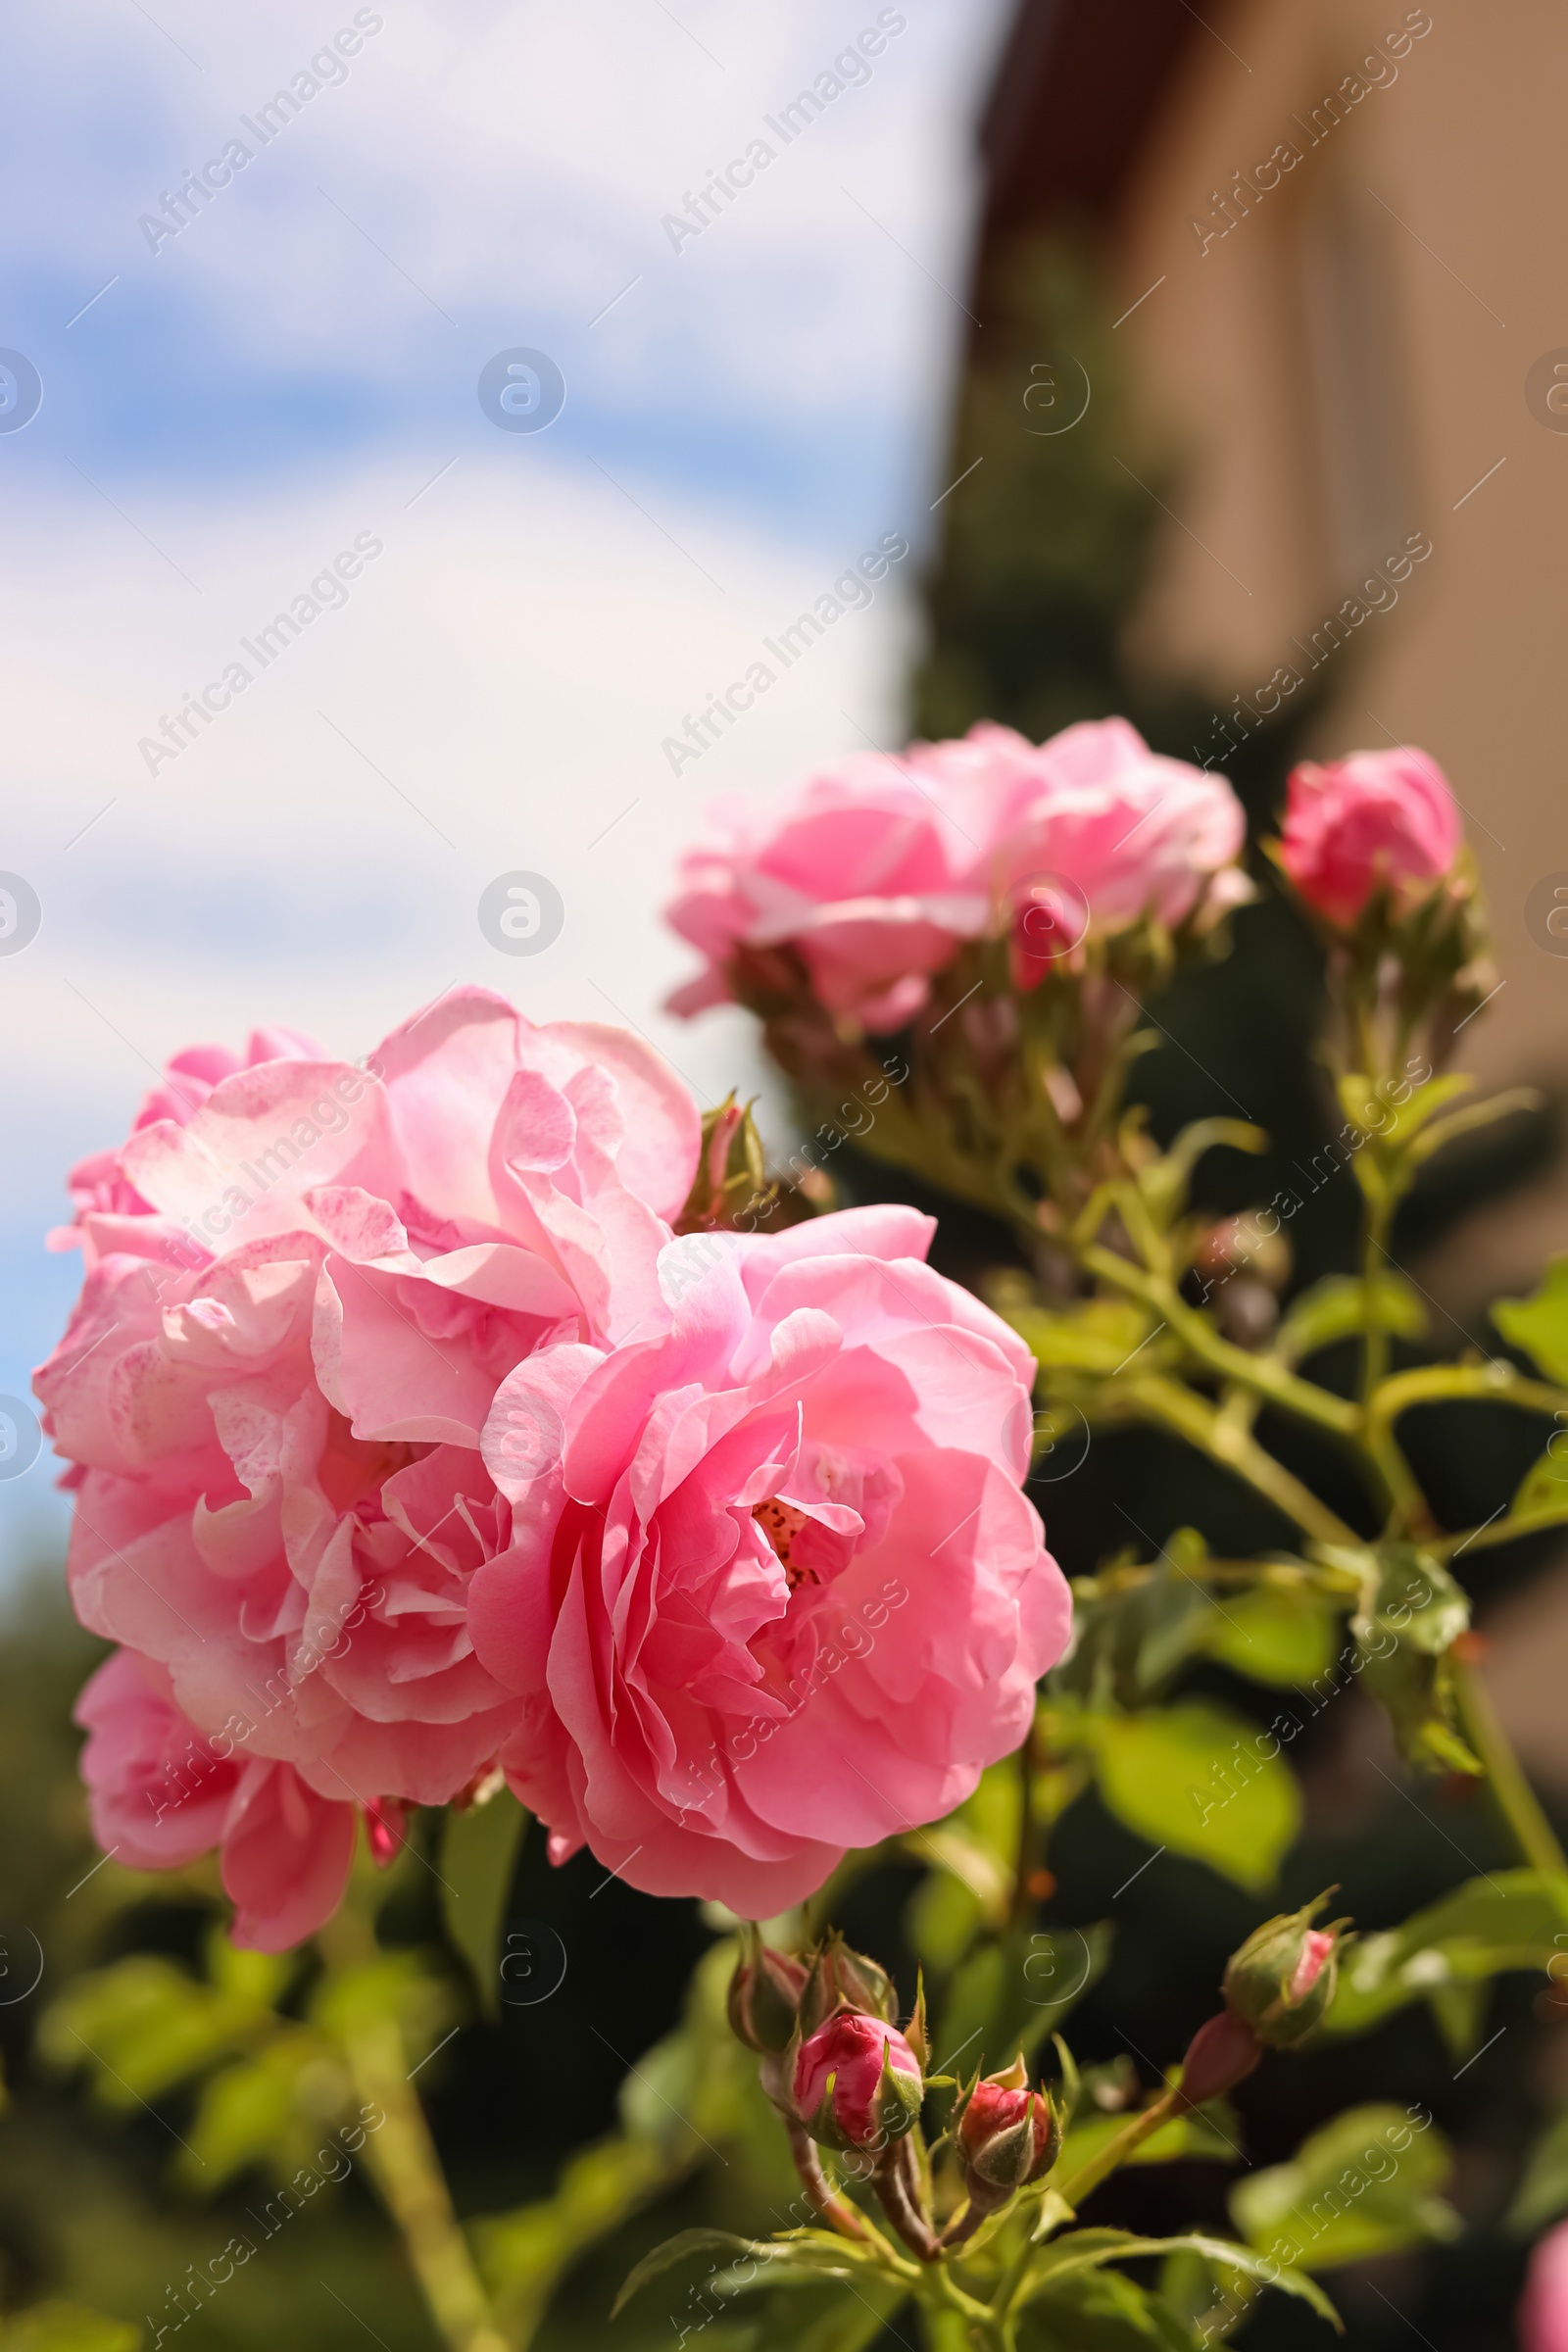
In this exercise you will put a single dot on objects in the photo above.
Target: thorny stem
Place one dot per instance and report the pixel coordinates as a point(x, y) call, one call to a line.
point(404, 2163)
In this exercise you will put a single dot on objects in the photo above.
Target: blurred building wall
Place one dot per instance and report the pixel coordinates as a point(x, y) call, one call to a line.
point(1343, 225)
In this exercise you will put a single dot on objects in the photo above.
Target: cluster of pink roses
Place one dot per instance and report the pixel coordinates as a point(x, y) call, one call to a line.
point(876, 872)
point(408, 1440)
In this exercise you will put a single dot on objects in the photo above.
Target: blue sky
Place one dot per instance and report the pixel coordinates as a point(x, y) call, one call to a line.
point(300, 365)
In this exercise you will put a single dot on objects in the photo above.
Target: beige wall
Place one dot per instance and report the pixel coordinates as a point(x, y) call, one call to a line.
point(1329, 378)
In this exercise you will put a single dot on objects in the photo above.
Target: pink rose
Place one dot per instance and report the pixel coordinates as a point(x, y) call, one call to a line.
point(1097, 831)
point(841, 2062)
point(302, 1297)
point(96, 1184)
point(1543, 2314)
point(1374, 820)
point(775, 1591)
point(861, 869)
point(877, 871)
point(160, 1795)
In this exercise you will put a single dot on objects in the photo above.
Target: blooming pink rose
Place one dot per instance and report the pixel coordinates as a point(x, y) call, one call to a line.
point(879, 870)
point(160, 1795)
point(842, 2060)
point(96, 1184)
point(1374, 820)
point(861, 869)
point(1096, 831)
point(1543, 2315)
point(774, 1590)
point(302, 1297)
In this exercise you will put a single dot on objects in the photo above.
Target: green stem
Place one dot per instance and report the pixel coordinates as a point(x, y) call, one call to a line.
point(1144, 2124)
point(1194, 1418)
point(1266, 1374)
point(1515, 1800)
point(404, 2163)
point(1374, 1253)
point(1082, 2182)
point(1437, 1384)
point(1498, 1531)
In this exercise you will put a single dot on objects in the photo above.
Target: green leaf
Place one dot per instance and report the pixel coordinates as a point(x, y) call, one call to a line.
point(1415, 1614)
point(1359, 1099)
point(522, 2255)
point(147, 2026)
point(1539, 1324)
point(1542, 2193)
point(1174, 1612)
point(1196, 1779)
point(478, 1858)
point(810, 2254)
point(677, 2249)
point(264, 2109)
point(1099, 2311)
point(68, 2328)
point(1512, 1919)
point(1087, 2249)
point(401, 1987)
point(1543, 1490)
point(1281, 1633)
point(1209, 2130)
point(1367, 2184)
point(1342, 1305)
point(1458, 2009)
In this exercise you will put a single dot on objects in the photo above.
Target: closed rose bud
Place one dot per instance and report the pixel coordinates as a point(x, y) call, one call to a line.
point(764, 1995)
point(1006, 2136)
point(855, 2082)
point(842, 1978)
point(1374, 821)
point(1221, 2055)
point(1282, 1980)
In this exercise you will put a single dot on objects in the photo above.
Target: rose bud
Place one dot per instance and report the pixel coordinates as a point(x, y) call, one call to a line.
point(1282, 1980)
point(1375, 821)
point(1219, 2055)
point(1006, 2136)
point(842, 1978)
point(764, 1995)
point(855, 2081)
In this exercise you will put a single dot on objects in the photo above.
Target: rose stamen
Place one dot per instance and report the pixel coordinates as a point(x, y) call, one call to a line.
point(780, 1522)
